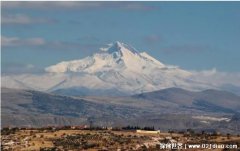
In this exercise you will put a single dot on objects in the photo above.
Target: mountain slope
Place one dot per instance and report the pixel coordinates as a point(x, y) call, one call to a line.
point(207, 100)
point(36, 109)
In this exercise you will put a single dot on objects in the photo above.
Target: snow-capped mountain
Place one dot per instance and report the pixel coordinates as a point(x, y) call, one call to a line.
point(118, 57)
point(118, 68)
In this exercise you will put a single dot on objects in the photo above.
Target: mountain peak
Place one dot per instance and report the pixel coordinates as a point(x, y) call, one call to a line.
point(118, 43)
point(118, 46)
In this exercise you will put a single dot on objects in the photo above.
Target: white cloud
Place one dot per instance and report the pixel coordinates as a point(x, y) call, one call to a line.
point(23, 19)
point(15, 41)
point(75, 4)
point(217, 78)
point(37, 43)
point(16, 19)
point(46, 5)
point(19, 68)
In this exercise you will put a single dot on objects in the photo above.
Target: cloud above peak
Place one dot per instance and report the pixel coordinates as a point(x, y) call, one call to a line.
point(152, 39)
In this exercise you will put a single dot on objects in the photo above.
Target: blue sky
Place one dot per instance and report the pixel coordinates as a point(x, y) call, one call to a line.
point(193, 35)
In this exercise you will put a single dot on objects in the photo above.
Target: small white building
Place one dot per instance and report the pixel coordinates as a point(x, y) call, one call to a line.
point(148, 132)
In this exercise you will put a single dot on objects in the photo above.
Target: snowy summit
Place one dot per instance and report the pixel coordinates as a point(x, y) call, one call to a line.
point(118, 56)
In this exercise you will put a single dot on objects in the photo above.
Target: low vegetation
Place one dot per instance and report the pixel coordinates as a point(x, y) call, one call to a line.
point(105, 138)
